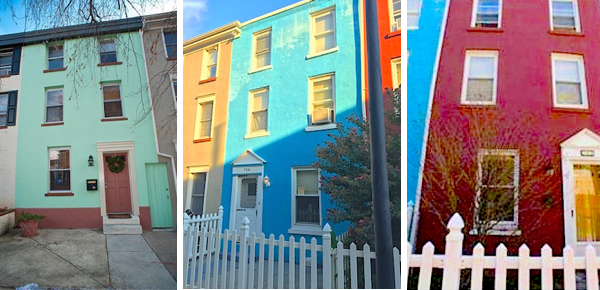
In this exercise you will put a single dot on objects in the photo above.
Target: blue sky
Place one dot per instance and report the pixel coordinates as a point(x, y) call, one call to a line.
point(200, 16)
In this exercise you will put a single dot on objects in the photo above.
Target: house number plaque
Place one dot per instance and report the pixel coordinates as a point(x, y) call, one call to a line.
point(587, 153)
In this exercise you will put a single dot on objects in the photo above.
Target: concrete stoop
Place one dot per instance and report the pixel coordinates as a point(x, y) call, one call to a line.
point(126, 226)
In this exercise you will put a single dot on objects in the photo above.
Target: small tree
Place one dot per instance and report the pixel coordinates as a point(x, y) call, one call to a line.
point(346, 174)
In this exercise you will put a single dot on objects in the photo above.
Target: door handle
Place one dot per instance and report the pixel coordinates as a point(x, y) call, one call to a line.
point(168, 196)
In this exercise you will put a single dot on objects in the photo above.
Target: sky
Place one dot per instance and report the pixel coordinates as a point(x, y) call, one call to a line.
point(10, 24)
point(200, 16)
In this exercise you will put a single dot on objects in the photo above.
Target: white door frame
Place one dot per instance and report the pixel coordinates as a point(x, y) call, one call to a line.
point(583, 148)
point(248, 163)
point(190, 185)
point(118, 147)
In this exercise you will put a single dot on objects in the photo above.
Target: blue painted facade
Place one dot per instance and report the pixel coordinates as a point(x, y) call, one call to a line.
point(288, 143)
point(422, 45)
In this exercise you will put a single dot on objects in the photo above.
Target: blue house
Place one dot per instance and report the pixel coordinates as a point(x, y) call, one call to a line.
point(426, 22)
point(295, 73)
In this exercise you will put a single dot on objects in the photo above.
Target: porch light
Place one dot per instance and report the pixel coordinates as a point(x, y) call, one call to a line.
point(549, 170)
point(91, 161)
point(267, 182)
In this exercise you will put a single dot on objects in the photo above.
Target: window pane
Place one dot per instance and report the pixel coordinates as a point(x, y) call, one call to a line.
point(263, 42)
point(54, 98)
point(497, 204)
point(498, 170)
point(248, 194)
point(3, 117)
point(54, 114)
point(412, 5)
point(107, 46)
point(307, 209)
point(3, 102)
point(6, 60)
point(322, 96)
point(567, 23)
point(55, 51)
point(259, 121)
point(108, 57)
point(325, 42)
point(212, 57)
point(398, 72)
point(481, 67)
point(263, 60)
point(172, 51)
point(562, 8)
point(55, 63)
point(480, 90)
point(568, 93)
point(170, 38)
point(307, 179)
point(205, 128)
point(567, 71)
point(587, 202)
point(113, 109)
point(60, 180)
point(59, 159)
point(212, 71)
point(324, 23)
point(111, 92)
point(261, 101)
point(206, 111)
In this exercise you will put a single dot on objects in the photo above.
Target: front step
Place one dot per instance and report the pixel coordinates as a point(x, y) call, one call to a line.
point(129, 226)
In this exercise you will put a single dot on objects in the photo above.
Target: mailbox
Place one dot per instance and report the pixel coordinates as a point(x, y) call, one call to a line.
point(92, 184)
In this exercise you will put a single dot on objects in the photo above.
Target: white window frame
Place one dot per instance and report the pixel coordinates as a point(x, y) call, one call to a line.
point(190, 184)
point(408, 12)
point(162, 32)
point(199, 101)
point(465, 81)
point(580, 64)
point(575, 10)
point(313, 35)
point(100, 52)
point(393, 14)
point(174, 90)
point(5, 112)
point(120, 100)
point(255, 37)
point(46, 105)
point(311, 82)
point(503, 227)
point(302, 228)
point(395, 81)
point(204, 74)
point(50, 170)
point(261, 133)
point(48, 58)
point(476, 10)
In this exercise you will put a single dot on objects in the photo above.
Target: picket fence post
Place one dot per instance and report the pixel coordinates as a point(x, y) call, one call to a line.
point(327, 257)
point(220, 220)
point(186, 222)
point(243, 263)
point(454, 244)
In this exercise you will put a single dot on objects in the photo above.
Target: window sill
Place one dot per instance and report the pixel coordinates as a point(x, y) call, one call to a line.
point(313, 128)
point(113, 119)
point(53, 70)
point(571, 110)
point(485, 29)
point(313, 55)
point(207, 81)
point(53, 124)
point(393, 34)
point(171, 58)
point(202, 140)
point(59, 194)
point(565, 33)
point(306, 230)
point(3, 127)
point(110, 63)
point(260, 69)
point(504, 231)
point(5, 76)
point(478, 105)
point(257, 134)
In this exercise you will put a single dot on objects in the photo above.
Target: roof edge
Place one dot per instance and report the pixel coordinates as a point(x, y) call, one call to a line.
point(206, 37)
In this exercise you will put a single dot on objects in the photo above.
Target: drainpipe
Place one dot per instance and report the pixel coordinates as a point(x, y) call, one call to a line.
point(153, 119)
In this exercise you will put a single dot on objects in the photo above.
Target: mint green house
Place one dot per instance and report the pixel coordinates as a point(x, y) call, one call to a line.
point(87, 151)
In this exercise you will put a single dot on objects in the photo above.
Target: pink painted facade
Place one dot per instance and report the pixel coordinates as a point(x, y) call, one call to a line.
point(524, 44)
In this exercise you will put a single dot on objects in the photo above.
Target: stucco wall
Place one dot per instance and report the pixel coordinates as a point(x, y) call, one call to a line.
point(82, 127)
point(8, 146)
point(206, 153)
point(288, 145)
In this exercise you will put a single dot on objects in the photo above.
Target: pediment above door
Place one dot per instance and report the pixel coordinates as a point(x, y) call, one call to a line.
point(586, 138)
point(248, 158)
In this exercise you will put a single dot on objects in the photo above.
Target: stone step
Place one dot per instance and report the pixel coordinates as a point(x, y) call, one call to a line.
point(134, 220)
point(122, 229)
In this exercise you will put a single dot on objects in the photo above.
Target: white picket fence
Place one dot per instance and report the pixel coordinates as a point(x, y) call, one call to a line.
point(453, 261)
point(210, 221)
point(248, 260)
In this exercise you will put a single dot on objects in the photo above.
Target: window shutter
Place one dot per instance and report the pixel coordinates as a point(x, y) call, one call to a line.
point(16, 63)
point(11, 119)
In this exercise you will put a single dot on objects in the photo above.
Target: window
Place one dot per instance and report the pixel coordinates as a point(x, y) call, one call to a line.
point(198, 193)
point(480, 78)
point(414, 13)
point(569, 81)
point(60, 169)
point(323, 30)
point(174, 86)
point(6, 57)
point(170, 44)
point(396, 71)
point(204, 119)
point(108, 51)
point(55, 56)
point(262, 49)
point(211, 60)
point(587, 201)
point(259, 102)
point(306, 195)
point(395, 14)
point(3, 109)
point(498, 187)
point(113, 106)
point(564, 15)
point(322, 100)
point(54, 105)
point(487, 13)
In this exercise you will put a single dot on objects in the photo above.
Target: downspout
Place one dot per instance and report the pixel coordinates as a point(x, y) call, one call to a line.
point(153, 119)
point(361, 17)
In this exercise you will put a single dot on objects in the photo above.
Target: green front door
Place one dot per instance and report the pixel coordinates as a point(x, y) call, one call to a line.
point(159, 195)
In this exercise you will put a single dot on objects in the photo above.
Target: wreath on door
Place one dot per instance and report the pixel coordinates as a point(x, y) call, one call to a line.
point(116, 164)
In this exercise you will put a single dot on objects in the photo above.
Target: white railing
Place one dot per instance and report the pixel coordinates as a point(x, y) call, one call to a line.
point(212, 222)
point(248, 260)
point(453, 261)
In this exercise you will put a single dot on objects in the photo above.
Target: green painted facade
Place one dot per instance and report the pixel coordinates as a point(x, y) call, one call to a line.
point(82, 114)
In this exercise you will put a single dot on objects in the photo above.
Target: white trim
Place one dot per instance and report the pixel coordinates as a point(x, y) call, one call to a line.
point(174, 91)
point(259, 160)
point(465, 80)
point(313, 15)
point(475, 10)
point(361, 19)
point(313, 128)
point(109, 84)
point(276, 12)
point(255, 36)
point(118, 147)
point(253, 170)
point(311, 81)
point(252, 93)
point(50, 169)
point(204, 74)
point(190, 187)
point(575, 10)
point(304, 228)
point(410, 12)
point(581, 69)
point(395, 63)
point(199, 102)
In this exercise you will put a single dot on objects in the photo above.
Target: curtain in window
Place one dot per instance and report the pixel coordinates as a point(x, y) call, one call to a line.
point(587, 202)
